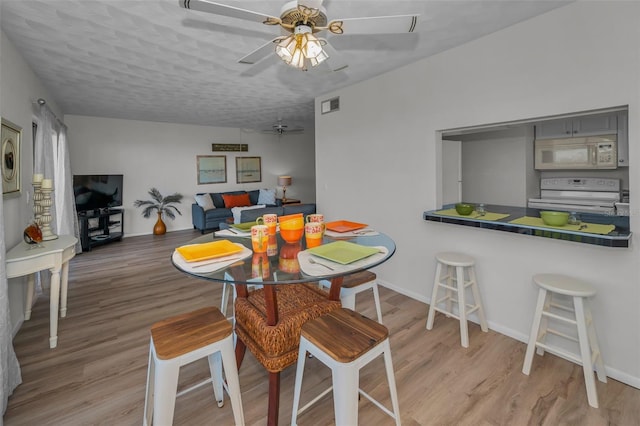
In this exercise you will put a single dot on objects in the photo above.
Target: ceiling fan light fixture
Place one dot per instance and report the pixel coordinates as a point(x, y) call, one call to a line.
point(301, 45)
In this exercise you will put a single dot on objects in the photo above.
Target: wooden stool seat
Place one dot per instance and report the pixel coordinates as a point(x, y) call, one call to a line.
point(183, 339)
point(345, 341)
point(185, 333)
point(578, 315)
point(344, 335)
point(353, 284)
point(451, 269)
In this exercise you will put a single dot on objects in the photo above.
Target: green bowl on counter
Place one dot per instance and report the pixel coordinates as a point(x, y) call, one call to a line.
point(554, 218)
point(465, 209)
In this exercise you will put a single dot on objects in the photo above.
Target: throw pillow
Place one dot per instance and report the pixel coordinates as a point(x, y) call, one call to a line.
point(267, 196)
point(239, 200)
point(205, 201)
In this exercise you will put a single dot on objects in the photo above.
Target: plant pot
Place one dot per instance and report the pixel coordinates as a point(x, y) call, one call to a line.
point(159, 228)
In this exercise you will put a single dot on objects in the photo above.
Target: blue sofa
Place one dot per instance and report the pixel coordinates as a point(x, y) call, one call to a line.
point(211, 219)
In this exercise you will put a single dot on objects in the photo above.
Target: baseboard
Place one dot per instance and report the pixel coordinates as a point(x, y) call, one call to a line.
point(613, 373)
point(16, 328)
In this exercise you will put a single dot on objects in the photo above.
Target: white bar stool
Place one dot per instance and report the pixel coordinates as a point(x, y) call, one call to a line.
point(580, 317)
point(455, 284)
point(180, 340)
point(357, 283)
point(345, 341)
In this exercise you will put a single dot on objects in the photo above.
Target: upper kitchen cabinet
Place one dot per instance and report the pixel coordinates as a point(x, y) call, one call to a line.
point(609, 123)
point(588, 125)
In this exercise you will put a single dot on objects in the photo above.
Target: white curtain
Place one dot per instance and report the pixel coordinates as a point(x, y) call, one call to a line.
point(9, 367)
point(66, 216)
point(51, 158)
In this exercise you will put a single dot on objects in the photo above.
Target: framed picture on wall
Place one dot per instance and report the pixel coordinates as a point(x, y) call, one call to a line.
point(248, 169)
point(11, 138)
point(212, 169)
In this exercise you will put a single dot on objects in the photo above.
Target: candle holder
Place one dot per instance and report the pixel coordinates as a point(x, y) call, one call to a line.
point(37, 199)
point(45, 216)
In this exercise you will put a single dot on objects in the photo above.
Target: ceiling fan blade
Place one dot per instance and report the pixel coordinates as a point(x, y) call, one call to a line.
point(374, 25)
point(226, 10)
point(260, 53)
point(335, 59)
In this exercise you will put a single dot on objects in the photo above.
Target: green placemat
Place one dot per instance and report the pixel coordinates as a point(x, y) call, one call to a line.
point(589, 228)
point(473, 215)
point(244, 226)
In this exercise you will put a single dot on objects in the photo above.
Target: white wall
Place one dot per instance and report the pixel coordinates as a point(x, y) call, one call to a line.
point(163, 155)
point(494, 166)
point(376, 161)
point(19, 88)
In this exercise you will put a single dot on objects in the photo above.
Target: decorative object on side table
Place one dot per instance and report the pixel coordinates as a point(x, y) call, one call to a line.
point(33, 235)
point(162, 205)
point(284, 181)
point(45, 218)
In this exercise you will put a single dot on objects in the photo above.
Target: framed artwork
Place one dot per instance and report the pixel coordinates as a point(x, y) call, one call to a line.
point(212, 169)
point(248, 169)
point(11, 138)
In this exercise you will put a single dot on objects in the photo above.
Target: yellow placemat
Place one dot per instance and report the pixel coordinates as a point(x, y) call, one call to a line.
point(205, 251)
point(473, 215)
point(591, 228)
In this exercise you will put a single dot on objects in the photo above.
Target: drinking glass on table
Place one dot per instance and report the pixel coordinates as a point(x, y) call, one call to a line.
point(270, 220)
point(313, 231)
point(259, 238)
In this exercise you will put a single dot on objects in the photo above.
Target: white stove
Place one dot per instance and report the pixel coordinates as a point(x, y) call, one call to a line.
point(582, 195)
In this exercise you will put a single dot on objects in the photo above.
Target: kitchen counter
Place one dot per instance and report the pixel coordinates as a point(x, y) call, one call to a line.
point(619, 237)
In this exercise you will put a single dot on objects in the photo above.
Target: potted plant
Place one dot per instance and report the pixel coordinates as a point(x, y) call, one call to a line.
point(162, 205)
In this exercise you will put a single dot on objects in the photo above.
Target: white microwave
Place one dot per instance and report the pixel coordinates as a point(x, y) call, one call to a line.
point(593, 152)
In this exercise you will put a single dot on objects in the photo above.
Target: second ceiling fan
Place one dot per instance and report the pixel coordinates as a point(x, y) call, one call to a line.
point(300, 22)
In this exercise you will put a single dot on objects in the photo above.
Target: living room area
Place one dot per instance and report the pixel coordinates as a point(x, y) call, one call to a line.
point(376, 160)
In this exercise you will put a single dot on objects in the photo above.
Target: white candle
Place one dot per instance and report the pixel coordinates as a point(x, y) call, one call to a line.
point(37, 178)
point(47, 184)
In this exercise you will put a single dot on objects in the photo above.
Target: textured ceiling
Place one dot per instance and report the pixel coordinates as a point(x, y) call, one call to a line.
point(152, 60)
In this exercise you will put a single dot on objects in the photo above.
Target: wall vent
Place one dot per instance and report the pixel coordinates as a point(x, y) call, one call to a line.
point(330, 105)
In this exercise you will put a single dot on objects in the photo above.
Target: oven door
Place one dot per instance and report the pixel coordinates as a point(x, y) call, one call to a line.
point(585, 206)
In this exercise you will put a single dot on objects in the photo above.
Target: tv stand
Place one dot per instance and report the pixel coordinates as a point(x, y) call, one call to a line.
point(100, 226)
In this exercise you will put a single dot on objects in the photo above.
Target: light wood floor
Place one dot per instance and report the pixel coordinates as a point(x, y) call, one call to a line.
point(96, 375)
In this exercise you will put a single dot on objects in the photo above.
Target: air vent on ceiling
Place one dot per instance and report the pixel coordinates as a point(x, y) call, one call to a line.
point(330, 105)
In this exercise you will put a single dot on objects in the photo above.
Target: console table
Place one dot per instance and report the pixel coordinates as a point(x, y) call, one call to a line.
point(54, 255)
point(289, 201)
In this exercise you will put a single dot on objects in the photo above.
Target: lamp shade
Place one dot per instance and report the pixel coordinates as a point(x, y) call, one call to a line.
point(284, 180)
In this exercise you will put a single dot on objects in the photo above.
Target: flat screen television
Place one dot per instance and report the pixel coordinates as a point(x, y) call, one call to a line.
point(93, 192)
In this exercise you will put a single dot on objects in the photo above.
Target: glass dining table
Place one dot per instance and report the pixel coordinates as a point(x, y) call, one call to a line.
point(286, 263)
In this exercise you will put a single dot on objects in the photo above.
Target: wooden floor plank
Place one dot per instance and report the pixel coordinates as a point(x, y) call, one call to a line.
point(97, 374)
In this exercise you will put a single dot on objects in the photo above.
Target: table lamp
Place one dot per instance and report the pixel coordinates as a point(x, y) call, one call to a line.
point(284, 181)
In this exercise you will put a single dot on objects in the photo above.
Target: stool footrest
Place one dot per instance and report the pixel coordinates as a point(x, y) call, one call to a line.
point(560, 352)
point(444, 311)
point(448, 287)
point(561, 306)
point(377, 404)
point(314, 400)
point(561, 334)
point(194, 387)
point(559, 317)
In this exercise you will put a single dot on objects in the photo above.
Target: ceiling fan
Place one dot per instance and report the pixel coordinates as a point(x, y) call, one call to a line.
point(300, 21)
point(281, 129)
